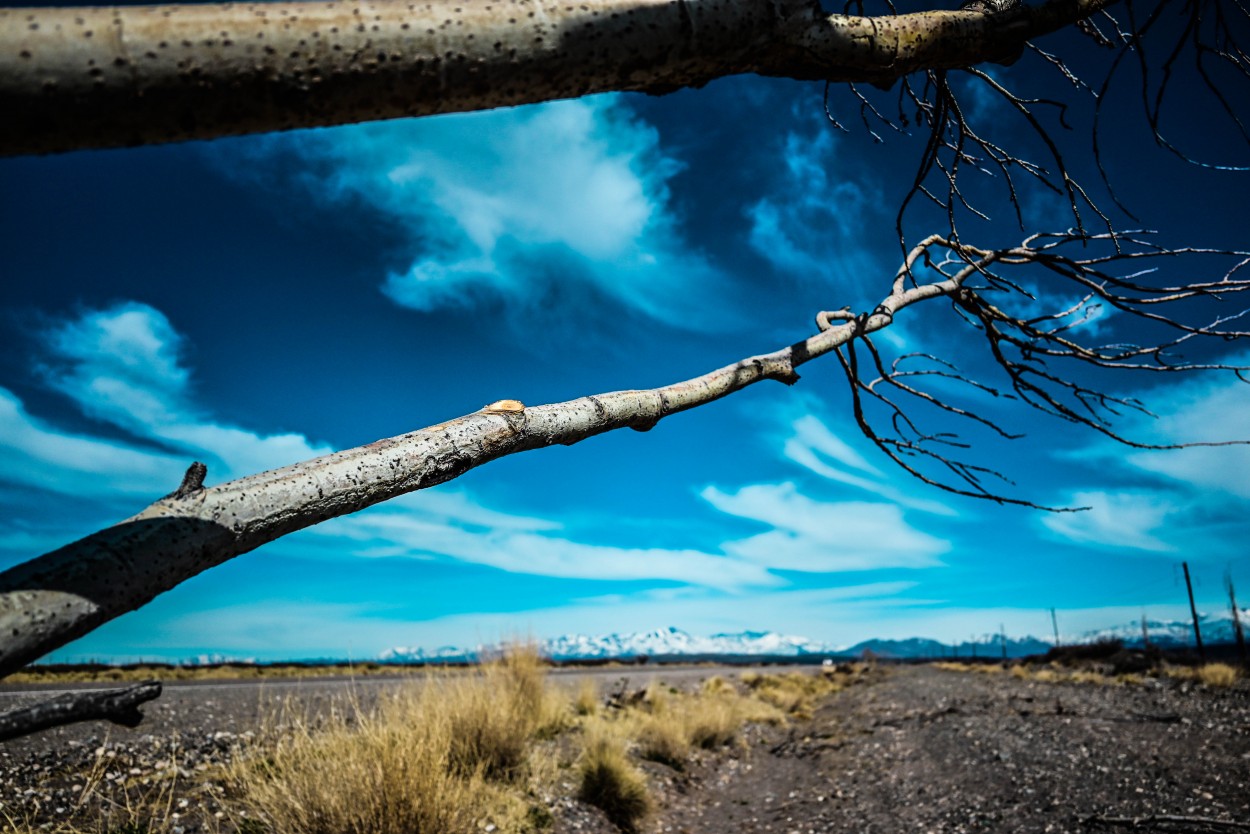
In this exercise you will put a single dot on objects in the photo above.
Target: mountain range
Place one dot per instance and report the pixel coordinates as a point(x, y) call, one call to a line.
point(672, 642)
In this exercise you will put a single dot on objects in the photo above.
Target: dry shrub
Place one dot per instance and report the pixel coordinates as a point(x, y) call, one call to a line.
point(668, 723)
point(609, 781)
point(716, 685)
point(793, 693)
point(494, 717)
point(427, 761)
point(1217, 674)
point(388, 773)
point(663, 739)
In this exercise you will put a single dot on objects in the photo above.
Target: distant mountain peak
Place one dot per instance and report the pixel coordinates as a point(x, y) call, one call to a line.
point(670, 641)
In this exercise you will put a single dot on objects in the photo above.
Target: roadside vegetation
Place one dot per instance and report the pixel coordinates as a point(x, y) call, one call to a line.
point(134, 673)
point(1214, 675)
point(492, 749)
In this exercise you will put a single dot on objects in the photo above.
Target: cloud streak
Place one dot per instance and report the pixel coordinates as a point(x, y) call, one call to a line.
point(818, 536)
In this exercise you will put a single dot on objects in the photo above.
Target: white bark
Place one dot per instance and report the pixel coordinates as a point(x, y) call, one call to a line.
point(107, 76)
point(51, 600)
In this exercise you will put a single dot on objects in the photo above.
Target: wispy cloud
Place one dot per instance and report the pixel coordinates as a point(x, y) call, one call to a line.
point(810, 226)
point(818, 536)
point(1116, 519)
point(36, 454)
point(123, 366)
point(813, 445)
point(523, 545)
point(1212, 410)
point(515, 204)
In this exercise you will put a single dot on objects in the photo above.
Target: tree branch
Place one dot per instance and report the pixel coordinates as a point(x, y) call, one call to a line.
point(120, 706)
point(112, 76)
point(49, 601)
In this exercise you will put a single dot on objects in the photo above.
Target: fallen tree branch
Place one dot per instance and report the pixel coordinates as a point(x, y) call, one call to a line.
point(112, 76)
point(120, 706)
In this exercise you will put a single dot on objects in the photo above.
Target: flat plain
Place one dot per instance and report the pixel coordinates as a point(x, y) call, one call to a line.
point(892, 749)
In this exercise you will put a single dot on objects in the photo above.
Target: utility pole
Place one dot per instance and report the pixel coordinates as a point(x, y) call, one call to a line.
point(1002, 638)
point(1145, 632)
point(1054, 623)
point(1202, 653)
point(973, 641)
point(1237, 632)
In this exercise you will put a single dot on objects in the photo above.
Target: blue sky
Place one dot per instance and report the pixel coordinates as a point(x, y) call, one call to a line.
point(256, 301)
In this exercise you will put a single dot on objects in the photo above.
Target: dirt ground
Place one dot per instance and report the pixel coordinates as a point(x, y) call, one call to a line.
point(928, 750)
point(913, 749)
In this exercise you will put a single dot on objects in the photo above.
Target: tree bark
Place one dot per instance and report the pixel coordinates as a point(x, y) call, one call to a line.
point(113, 76)
point(55, 598)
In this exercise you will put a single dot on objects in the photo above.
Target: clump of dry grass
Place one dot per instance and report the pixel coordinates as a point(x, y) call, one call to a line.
point(494, 717)
point(442, 759)
point(793, 693)
point(1217, 674)
point(669, 723)
point(609, 781)
point(1212, 674)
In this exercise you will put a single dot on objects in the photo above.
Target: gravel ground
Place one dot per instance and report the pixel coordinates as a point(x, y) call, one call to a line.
point(915, 749)
point(928, 750)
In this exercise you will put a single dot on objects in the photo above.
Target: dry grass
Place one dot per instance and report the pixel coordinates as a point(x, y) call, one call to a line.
point(464, 753)
point(609, 781)
point(586, 701)
point(669, 724)
point(1217, 675)
point(444, 759)
point(227, 671)
point(795, 693)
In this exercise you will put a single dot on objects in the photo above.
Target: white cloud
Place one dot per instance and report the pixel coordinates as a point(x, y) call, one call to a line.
point(1201, 412)
point(518, 544)
point(506, 204)
point(35, 454)
point(819, 536)
point(1117, 519)
point(123, 366)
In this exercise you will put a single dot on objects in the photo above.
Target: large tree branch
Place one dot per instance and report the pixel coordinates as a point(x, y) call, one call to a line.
point(110, 76)
point(51, 600)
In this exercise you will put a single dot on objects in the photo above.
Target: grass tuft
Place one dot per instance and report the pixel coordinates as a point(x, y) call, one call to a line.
point(610, 782)
point(439, 760)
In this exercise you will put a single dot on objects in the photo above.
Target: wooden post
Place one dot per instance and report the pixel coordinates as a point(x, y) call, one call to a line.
point(1237, 632)
point(1202, 652)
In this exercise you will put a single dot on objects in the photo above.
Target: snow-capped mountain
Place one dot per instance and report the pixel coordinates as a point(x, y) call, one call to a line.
point(1215, 628)
point(663, 642)
point(673, 642)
